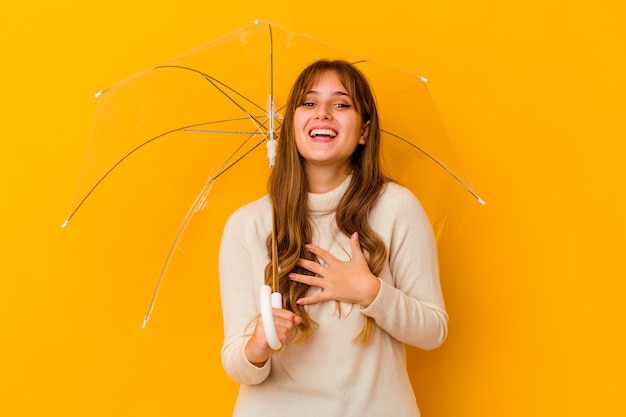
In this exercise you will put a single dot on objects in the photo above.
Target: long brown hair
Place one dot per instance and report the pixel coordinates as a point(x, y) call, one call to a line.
point(287, 188)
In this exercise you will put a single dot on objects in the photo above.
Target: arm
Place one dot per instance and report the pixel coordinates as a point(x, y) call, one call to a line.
point(243, 256)
point(409, 305)
point(239, 286)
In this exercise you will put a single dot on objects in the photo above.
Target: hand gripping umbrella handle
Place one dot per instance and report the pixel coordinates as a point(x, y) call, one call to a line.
point(269, 300)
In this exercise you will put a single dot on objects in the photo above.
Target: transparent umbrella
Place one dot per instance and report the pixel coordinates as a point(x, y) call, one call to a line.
point(204, 118)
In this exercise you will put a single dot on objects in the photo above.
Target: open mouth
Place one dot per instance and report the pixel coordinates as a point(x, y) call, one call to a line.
point(322, 133)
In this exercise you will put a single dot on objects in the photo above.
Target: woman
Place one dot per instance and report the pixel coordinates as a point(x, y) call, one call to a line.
point(357, 261)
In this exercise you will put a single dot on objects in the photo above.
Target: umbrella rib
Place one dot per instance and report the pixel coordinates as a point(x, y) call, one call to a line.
point(131, 152)
point(441, 165)
point(226, 132)
point(205, 189)
point(222, 170)
point(214, 82)
point(222, 132)
point(259, 125)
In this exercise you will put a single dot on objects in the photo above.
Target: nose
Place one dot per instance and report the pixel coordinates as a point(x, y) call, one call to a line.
point(322, 112)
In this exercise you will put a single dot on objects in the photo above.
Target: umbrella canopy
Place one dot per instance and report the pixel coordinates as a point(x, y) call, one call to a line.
point(198, 124)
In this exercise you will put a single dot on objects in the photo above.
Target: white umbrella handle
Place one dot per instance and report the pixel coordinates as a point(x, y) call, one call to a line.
point(269, 300)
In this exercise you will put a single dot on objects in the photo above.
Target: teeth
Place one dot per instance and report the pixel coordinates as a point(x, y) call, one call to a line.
point(323, 132)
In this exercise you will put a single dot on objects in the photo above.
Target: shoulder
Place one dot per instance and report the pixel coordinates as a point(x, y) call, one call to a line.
point(253, 208)
point(398, 217)
point(398, 197)
point(397, 205)
point(254, 213)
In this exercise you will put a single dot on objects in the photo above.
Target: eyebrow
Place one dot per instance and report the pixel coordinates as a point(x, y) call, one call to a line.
point(335, 93)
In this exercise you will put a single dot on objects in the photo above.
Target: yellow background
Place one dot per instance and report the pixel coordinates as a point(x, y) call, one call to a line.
point(532, 93)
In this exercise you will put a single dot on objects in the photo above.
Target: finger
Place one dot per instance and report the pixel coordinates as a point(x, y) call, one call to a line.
point(323, 254)
point(284, 325)
point(355, 245)
point(282, 328)
point(257, 350)
point(259, 338)
point(281, 313)
point(307, 279)
point(312, 266)
point(313, 299)
point(285, 316)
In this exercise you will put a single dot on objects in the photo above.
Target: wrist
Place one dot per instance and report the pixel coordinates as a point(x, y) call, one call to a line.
point(371, 292)
point(254, 356)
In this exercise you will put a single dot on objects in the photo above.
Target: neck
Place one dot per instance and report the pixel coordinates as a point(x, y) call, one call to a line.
point(323, 179)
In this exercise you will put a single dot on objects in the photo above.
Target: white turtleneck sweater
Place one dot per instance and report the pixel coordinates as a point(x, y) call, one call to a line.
point(331, 374)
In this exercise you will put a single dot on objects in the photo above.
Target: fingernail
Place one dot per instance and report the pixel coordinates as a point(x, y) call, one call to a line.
point(308, 246)
point(355, 236)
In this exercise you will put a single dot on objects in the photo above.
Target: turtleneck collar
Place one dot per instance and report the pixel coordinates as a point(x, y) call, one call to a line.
point(327, 202)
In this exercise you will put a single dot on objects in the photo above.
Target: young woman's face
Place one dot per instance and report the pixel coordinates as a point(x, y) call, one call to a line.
point(327, 126)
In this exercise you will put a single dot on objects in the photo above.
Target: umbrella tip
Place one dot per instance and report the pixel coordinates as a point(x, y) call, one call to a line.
point(145, 322)
point(65, 223)
point(98, 94)
point(480, 200)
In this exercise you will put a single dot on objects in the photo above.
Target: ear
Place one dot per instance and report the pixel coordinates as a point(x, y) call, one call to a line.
point(365, 131)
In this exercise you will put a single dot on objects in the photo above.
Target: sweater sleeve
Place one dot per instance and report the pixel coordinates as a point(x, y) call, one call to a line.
point(409, 305)
point(240, 284)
